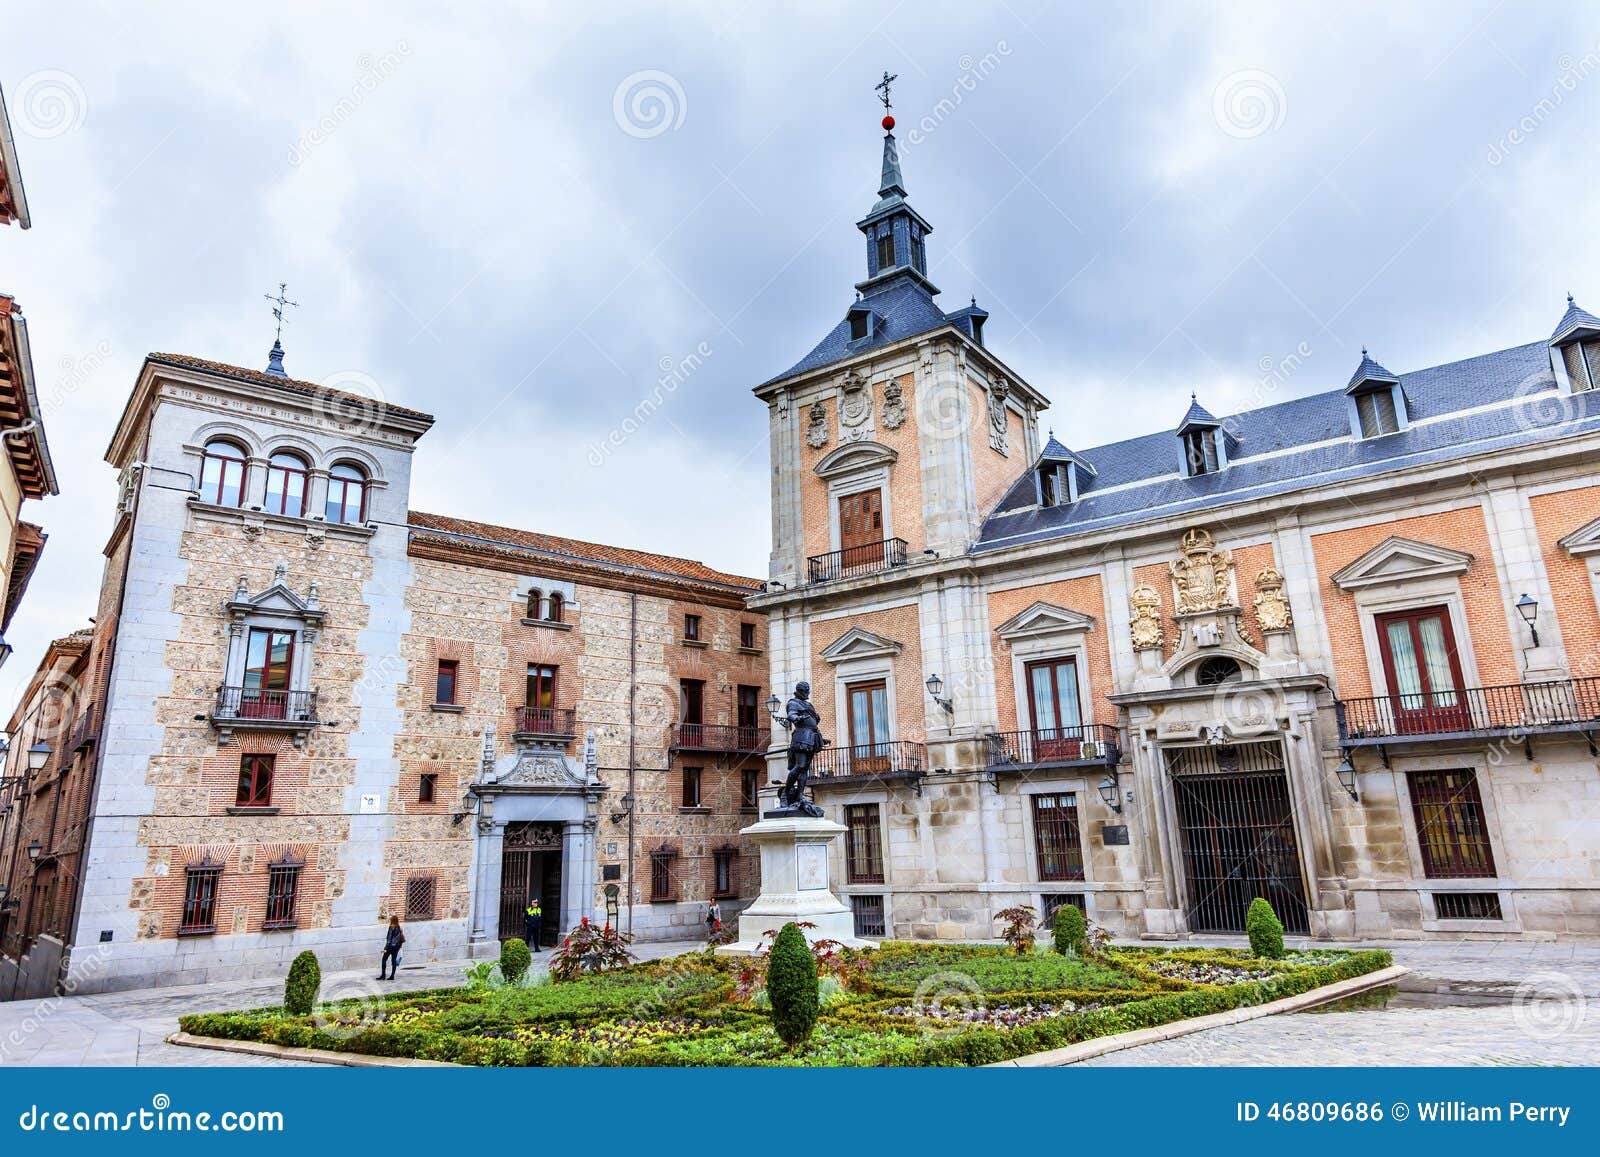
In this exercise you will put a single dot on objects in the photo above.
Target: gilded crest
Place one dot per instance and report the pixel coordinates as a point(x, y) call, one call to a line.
point(1145, 625)
point(1202, 574)
point(1272, 606)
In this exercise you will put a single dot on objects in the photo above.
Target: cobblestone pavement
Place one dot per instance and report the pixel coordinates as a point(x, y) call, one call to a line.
point(1469, 1003)
point(130, 1028)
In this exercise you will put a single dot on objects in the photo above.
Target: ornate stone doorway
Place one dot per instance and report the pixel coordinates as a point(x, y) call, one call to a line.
point(531, 865)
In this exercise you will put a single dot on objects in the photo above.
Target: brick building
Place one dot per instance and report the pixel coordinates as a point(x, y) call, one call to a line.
point(316, 707)
point(1340, 651)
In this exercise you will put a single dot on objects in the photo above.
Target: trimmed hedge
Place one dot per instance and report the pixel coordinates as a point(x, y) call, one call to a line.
point(515, 960)
point(1264, 928)
point(792, 986)
point(304, 983)
point(1070, 931)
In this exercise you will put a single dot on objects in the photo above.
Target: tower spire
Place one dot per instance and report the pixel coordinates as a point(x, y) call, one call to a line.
point(275, 357)
point(895, 231)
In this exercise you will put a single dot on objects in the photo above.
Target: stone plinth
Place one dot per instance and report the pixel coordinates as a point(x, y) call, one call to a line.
point(794, 885)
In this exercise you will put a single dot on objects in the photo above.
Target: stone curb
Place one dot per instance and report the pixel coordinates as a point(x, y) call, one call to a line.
point(1084, 1050)
point(312, 1056)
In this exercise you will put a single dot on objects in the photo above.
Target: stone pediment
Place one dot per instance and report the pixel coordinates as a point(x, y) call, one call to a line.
point(548, 770)
point(1398, 559)
point(854, 457)
point(277, 600)
point(1584, 541)
point(857, 643)
point(1043, 619)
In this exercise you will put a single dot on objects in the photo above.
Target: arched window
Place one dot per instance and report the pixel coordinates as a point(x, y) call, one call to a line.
point(556, 605)
point(286, 484)
point(1218, 669)
point(347, 494)
point(535, 604)
point(222, 473)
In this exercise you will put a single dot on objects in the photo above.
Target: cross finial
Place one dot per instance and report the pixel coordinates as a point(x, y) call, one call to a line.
point(278, 304)
point(882, 88)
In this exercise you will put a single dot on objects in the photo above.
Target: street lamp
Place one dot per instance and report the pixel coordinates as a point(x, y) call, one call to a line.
point(1346, 771)
point(774, 705)
point(35, 850)
point(936, 685)
point(1111, 794)
point(37, 754)
point(1529, 610)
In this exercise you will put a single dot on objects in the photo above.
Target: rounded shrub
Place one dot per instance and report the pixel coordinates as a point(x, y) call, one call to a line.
point(304, 983)
point(1265, 930)
point(792, 987)
point(515, 959)
point(1070, 930)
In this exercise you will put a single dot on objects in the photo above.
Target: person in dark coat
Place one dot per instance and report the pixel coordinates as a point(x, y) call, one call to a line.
point(532, 924)
point(392, 942)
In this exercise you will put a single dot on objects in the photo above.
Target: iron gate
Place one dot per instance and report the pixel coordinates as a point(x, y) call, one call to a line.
point(1237, 829)
point(530, 864)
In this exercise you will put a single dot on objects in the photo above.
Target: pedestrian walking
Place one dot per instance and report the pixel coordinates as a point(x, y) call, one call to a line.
point(393, 939)
point(713, 919)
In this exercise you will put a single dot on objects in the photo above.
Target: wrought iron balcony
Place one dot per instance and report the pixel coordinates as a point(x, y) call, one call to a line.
point(718, 737)
point(1089, 745)
point(258, 709)
point(556, 725)
point(855, 561)
point(891, 760)
point(84, 731)
point(1517, 711)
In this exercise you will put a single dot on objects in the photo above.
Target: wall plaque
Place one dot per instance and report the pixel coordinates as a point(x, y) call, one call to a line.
point(1113, 834)
point(811, 867)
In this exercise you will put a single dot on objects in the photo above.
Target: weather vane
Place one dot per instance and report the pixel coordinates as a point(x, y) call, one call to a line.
point(883, 87)
point(277, 306)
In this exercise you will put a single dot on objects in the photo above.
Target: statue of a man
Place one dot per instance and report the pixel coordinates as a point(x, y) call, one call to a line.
point(805, 740)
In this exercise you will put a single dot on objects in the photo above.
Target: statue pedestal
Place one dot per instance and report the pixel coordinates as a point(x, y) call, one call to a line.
point(794, 885)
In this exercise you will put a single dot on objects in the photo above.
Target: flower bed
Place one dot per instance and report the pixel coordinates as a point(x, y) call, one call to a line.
point(904, 1004)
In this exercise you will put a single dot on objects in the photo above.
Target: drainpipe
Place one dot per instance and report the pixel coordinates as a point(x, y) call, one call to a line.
point(633, 699)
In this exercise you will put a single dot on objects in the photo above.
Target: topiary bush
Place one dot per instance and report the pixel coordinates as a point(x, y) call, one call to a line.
point(304, 983)
point(515, 959)
point(1265, 930)
point(1070, 931)
point(792, 987)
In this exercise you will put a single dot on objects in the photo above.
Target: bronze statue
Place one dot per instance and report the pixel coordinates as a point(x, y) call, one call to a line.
point(805, 740)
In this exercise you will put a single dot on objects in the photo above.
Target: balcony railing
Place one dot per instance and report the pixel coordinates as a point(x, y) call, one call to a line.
point(548, 724)
point(84, 731)
point(896, 759)
point(854, 561)
point(255, 705)
point(718, 737)
point(1089, 744)
point(1512, 709)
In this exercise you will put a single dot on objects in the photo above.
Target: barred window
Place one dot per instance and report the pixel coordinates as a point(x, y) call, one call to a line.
point(1451, 829)
point(1056, 836)
point(661, 874)
point(868, 913)
point(1053, 902)
point(420, 897)
point(200, 898)
point(283, 886)
point(863, 844)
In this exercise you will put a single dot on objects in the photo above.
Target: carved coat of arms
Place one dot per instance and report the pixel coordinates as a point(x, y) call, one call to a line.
point(894, 406)
point(1145, 625)
point(817, 426)
point(1202, 574)
point(998, 389)
point(1272, 606)
point(855, 400)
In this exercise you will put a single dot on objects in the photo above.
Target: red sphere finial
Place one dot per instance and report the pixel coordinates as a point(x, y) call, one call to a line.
point(888, 124)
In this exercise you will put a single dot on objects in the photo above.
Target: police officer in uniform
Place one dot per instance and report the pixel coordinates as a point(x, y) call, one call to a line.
point(532, 923)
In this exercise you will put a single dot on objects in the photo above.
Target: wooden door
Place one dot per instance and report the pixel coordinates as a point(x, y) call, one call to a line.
point(1424, 671)
point(869, 727)
point(1053, 701)
point(860, 529)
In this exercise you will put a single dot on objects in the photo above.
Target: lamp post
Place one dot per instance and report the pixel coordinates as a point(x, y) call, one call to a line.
point(37, 755)
point(35, 850)
point(1529, 610)
point(935, 686)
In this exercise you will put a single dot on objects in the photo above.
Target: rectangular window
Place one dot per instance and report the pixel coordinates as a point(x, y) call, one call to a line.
point(427, 787)
point(661, 874)
point(541, 686)
point(860, 527)
point(1450, 825)
point(691, 787)
point(749, 711)
point(200, 899)
point(693, 696)
point(268, 661)
point(1053, 705)
point(444, 682)
point(863, 844)
point(918, 260)
point(283, 884)
point(869, 728)
point(749, 787)
point(1376, 410)
point(1424, 671)
point(1200, 448)
point(420, 892)
point(1055, 835)
point(725, 877)
point(747, 636)
point(691, 628)
point(868, 913)
point(255, 781)
point(886, 250)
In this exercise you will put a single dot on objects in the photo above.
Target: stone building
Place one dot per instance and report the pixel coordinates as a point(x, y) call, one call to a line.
point(1339, 651)
point(320, 707)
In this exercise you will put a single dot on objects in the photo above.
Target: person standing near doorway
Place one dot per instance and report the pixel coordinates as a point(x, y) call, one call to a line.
point(532, 924)
point(713, 919)
point(393, 940)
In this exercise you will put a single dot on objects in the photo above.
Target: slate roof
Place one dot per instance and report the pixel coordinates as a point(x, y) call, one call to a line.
point(1196, 415)
point(904, 310)
point(1369, 371)
point(468, 533)
point(309, 389)
point(1575, 318)
point(1304, 443)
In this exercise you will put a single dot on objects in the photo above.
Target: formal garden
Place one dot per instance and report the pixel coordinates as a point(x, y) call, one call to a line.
point(904, 1003)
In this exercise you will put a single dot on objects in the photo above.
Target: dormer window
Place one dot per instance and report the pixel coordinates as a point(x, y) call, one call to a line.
point(1200, 452)
point(859, 324)
point(886, 248)
point(1055, 484)
point(1583, 364)
point(1577, 340)
point(1375, 410)
point(977, 330)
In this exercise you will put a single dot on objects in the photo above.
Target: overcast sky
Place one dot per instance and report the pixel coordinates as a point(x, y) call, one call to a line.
point(513, 217)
